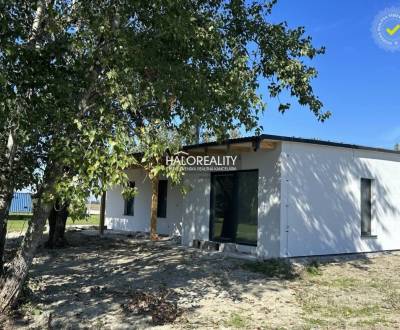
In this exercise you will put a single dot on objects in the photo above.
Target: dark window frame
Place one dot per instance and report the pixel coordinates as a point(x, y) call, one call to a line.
point(211, 220)
point(366, 207)
point(130, 202)
point(162, 200)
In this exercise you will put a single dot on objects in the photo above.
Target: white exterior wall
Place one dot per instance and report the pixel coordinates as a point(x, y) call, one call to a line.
point(196, 204)
point(140, 221)
point(308, 195)
point(321, 189)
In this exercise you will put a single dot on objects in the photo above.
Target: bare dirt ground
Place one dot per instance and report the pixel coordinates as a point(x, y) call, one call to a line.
point(106, 283)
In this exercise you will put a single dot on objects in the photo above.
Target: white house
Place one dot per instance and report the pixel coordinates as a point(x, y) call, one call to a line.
point(288, 197)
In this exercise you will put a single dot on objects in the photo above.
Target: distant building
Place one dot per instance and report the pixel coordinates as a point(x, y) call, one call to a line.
point(21, 203)
point(397, 147)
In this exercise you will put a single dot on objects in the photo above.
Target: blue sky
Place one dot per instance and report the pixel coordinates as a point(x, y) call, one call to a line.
point(358, 81)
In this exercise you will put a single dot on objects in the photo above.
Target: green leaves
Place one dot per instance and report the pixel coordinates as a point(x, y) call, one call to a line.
point(154, 142)
point(102, 82)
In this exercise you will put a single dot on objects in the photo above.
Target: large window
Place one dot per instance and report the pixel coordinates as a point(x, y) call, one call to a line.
point(162, 199)
point(234, 207)
point(366, 207)
point(129, 203)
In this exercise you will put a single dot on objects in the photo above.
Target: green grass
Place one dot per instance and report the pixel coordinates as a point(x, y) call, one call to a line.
point(236, 321)
point(346, 282)
point(340, 311)
point(19, 222)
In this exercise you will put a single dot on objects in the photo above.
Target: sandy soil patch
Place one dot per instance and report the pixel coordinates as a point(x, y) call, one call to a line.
point(89, 284)
point(360, 292)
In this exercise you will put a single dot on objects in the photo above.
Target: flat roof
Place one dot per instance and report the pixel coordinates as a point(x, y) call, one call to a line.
point(259, 138)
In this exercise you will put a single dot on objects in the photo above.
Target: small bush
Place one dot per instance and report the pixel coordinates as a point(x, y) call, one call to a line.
point(313, 268)
point(279, 268)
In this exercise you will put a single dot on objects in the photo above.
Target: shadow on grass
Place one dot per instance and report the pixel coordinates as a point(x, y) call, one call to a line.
point(274, 268)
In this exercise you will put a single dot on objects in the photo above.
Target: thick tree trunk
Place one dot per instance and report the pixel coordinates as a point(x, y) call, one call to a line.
point(57, 222)
point(153, 211)
point(5, 202)
point(13, 279)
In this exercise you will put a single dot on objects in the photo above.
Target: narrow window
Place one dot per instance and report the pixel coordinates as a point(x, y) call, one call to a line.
point(162, 199)
point(129, 202)
point(366, 207)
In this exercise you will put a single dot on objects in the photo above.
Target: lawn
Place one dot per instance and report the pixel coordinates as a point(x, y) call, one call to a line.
point(19, 222)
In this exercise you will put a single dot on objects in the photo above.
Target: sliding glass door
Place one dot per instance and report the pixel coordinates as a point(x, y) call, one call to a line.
point(234, 207)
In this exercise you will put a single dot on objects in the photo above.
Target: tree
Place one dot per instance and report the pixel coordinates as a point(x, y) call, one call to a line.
point(63, 79)
point(154, 142)
point(210, 78)
point(13, 122)
point(93, 74)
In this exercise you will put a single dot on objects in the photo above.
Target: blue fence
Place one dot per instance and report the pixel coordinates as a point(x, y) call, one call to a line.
point(21, 203)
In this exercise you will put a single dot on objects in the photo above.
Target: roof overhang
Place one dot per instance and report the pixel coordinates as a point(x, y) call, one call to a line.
point(250, 144)
point(269, 142)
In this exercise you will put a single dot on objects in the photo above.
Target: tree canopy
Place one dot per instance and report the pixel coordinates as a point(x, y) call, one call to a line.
point(79, 79)
point(117, 64)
